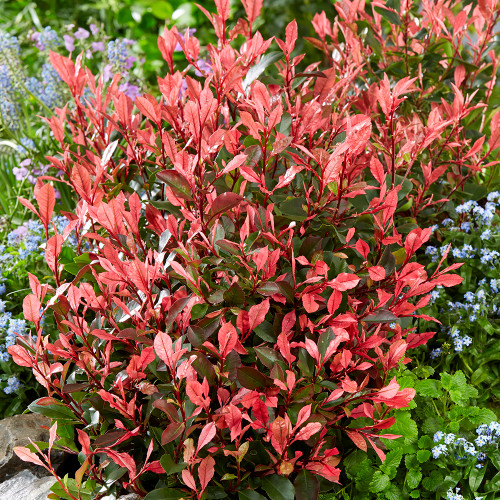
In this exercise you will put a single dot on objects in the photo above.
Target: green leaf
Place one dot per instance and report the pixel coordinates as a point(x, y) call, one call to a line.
point(252, 379)
point(389, 15)
point(413, 478)
point(278, 487)
point(404, 426)
point(198, 311)
point(250, 495)
point(432, 482)
point(55, 411)
point(456, 384)
point(234, 295)
point(493, 484)
point(177, 183)
point(423, 455)
point(169, 466)
point(269, 357)
point(394, 492)
point(256, 70)
point(306, 486)
point(379, 482)
point(161, 10)
point(291, 208)
point(430, 388)
point(165, 494)
point(392, 461)
point(476, 477)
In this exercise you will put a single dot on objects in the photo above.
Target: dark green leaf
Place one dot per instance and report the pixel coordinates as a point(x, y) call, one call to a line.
point(278, 487)
point(257, 69)
point(306, 486)
point(165, 494)
point(250, 378)
point(250, 495)
point(177, 183)
point(389, 15)
point(55, 411)
point(234, 295)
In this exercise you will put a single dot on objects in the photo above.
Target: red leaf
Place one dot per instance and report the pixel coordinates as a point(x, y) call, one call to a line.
point(257, 314)
point(46, 199)
point(28, 456)
point(20, 355)
point(225, 202)
point(31, 308)
point(362, 248)
point(29, 205)
point(206, 471)
point(163, 347)
point(448, 280)
point(188, 479)
point(376, 273)
point(358, 439)
point(345, 281)
point(172, 431)
point(252, 9)
point(228, 337)
point(308, 431)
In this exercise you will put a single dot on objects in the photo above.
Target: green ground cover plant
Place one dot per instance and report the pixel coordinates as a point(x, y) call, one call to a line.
point(253, 294)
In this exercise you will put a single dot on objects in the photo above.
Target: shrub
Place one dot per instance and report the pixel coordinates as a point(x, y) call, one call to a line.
point(249, 291)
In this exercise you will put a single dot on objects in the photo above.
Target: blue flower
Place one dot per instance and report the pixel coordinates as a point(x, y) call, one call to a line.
point(449, 438)
point(436, 353)
point(440, 449)
point(13, 385)
point(438, 436)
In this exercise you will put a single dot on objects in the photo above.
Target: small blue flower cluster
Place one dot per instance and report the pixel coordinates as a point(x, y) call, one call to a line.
point(488, 434)
point(481, 216)
point(13, 385)
point(456, 495)
point(49, 89)
point(46, 39)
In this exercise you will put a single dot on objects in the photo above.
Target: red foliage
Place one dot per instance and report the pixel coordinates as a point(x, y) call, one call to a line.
point(247, 252)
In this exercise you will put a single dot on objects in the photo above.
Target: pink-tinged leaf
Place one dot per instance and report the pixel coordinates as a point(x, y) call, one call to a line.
point(363, 248)
point(236, 162)
point(225, 202)
point(257, 314)
point(28, 456)
point(163, 347)
point(52, 435)
point(172, 432)
point(46, 199)
point(20, 355)
point(29, 205)
point(52, 251)
point(206, 471)
point(177, 183)
point(376, 273)
point(84, 440)
point(304, 414)
point(252, 9)
point(291, 34)
point(222, 8)
point(334, 301)
point(188, 479)
point(155, 467)
point(345, 281)
point(448, 280)
point(288, 177)
point(31, 308)
point(228, 337)
point(308, 431)
point(378, 451)
point(358, 439)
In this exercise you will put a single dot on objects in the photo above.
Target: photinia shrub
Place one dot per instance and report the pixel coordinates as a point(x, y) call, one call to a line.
point(250, 282)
